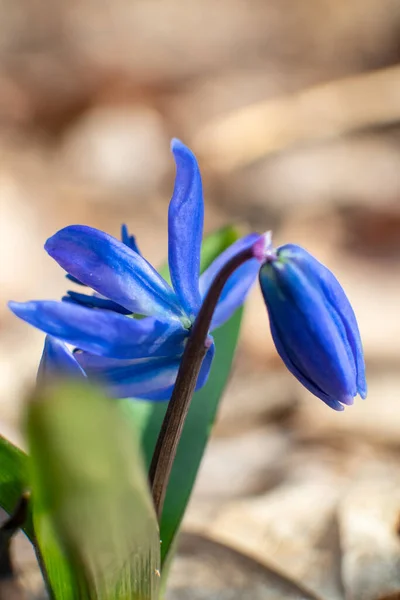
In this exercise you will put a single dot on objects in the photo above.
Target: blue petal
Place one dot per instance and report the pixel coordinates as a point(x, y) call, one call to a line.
point(115, 271)
point(148, 379)
point(336, 301)
point(290, 364)
point(238, 285)
point(57, 361)
point(206, 365)
point(185, 228)
point(129, 240)
point(306, 331)
point(102, 332)
point(74, 280)
point(94, 301)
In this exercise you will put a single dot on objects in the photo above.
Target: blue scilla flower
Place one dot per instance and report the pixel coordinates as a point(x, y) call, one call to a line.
point(313, 325)
point(132, 331)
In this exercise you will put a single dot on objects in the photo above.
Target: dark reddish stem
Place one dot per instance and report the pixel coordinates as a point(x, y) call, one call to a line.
point(194, 353)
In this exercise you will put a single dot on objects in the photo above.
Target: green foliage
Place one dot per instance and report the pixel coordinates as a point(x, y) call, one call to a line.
point(93, 515)
point(13, 478)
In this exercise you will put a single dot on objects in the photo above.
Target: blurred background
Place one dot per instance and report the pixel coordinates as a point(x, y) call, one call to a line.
point(293, 109)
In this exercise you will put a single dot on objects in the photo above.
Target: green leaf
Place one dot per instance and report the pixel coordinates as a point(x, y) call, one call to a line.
point(148, 416)
point(96, 527)
point(215, 243)
point(61, 580)
point(13, 478)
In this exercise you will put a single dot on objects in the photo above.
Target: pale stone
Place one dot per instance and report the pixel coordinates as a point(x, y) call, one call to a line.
point(369, 531)
point(375, 419)
point(206, 570)
point(243, 464)
point(350, 170)
point(253, 397)
point(292, 528)
point(121, 148)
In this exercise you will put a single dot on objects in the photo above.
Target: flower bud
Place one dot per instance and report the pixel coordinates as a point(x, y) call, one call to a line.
point(313, 326)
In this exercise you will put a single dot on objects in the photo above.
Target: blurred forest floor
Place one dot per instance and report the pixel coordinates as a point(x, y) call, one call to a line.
point(294, 110)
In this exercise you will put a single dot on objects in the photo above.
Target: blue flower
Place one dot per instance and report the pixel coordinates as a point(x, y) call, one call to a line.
point(132, 332)
point(313, 326)
point(58, 361)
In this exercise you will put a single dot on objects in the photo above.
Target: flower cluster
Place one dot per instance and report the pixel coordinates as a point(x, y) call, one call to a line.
point(132, 331)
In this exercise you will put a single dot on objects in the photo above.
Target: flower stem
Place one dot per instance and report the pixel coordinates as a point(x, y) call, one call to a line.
point(195, 350)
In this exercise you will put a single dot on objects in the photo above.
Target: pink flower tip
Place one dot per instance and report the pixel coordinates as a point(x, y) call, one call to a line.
point(262, 248)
